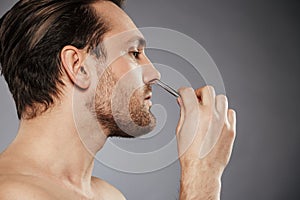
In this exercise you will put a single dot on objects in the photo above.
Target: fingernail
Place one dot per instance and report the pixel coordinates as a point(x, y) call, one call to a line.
point(179, 100)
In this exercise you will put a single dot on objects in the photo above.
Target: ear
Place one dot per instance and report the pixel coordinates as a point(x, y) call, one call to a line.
point(72, 61)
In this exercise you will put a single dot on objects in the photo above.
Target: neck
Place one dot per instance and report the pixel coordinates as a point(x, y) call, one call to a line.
point(56, 148)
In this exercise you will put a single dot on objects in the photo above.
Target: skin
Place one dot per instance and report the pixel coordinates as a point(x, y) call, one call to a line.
point(34, 166)
point(201, 177)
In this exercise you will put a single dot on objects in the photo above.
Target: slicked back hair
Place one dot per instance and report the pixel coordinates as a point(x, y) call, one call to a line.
point(32, 35)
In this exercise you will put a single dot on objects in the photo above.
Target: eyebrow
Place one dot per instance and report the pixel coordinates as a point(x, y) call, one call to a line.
point(137, 39)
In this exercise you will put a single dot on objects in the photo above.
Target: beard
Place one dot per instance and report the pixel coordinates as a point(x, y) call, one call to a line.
point(121, 111)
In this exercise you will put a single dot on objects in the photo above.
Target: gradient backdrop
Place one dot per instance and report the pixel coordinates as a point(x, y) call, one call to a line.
point(256, 47)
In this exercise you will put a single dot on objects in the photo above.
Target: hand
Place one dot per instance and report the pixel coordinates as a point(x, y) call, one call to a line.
point(203, 116)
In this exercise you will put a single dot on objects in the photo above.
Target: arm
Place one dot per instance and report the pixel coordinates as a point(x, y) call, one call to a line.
point(202, 115)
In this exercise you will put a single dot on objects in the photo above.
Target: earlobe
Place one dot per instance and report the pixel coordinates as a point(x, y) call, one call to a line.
point(72, 62)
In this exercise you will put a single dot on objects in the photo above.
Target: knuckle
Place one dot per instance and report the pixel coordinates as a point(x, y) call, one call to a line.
point(232, 117)
point(185, 90)
point(221, 98)
point(232, 113)
point(221, 103)
point(230, 128)
point(181, 89)
point(231, 133)
point(189, 89)
point(227, 126)
point(208, 93)
point(210, 89)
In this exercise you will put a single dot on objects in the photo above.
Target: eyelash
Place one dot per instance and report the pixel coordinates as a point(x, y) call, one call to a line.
point(136, 54)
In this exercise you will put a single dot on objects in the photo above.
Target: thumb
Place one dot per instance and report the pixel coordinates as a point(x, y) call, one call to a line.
point(181, 119)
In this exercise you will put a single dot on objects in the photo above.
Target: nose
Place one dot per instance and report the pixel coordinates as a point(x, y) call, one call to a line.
point(150, 73)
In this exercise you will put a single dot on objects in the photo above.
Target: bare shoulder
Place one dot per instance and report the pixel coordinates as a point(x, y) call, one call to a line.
point(14, 188)
point(105, 190)
point(15, 185)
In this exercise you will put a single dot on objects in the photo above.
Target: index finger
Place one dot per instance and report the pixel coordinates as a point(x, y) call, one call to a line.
point(206, 95)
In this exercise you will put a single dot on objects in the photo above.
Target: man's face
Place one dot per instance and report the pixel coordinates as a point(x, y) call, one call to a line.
point(122, 100)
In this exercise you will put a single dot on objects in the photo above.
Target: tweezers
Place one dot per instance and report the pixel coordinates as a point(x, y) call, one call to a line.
point(167, 88)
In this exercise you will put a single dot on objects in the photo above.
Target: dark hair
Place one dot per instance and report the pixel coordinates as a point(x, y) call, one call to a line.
point(32, 35)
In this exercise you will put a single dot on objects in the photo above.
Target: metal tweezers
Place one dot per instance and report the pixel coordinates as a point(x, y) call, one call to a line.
point(167, 88)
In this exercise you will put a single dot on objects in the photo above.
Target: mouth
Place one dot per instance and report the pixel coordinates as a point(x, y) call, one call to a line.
point(148, 96)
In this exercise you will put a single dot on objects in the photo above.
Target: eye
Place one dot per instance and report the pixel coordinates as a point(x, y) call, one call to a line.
point(136, 54)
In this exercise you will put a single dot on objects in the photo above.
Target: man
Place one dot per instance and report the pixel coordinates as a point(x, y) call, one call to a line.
point(65, 62)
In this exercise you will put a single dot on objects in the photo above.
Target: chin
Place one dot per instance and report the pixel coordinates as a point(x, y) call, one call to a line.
point(128, 119)
point(133, 129)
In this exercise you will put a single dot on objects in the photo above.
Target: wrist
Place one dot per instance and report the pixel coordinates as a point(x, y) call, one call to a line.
point(201, 167)
point(199, 181)
point(200, 188)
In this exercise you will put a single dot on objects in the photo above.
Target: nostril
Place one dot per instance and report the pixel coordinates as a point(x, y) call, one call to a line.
point(158, 75)
point(153, 81)
point(150, 74)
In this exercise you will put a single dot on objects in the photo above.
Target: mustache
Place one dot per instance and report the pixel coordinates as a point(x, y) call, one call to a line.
point(147, 88)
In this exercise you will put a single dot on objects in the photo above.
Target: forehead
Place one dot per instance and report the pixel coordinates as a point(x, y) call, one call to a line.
point(119, 22)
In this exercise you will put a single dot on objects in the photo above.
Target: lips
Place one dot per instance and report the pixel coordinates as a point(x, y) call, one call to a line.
point(148, 96)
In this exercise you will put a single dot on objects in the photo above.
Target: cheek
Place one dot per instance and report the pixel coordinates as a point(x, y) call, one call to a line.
point(127, 70)
point(121, 66)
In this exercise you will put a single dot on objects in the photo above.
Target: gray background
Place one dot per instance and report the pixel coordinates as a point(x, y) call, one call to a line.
point(256, 47)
